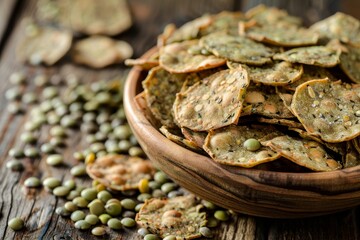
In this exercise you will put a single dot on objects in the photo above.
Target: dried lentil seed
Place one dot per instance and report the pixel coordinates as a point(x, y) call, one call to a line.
point(92, 219)
point(138, 207)
point(32, 182)
point(114, 209)
point(104, 218)
point(128, 222)
point(221, 215)
point(31, 152)
point(114, 224)
point(70, 184)
point(161, 177)
point(14, 107)
point(62, 212)
point(47, 148)
point(252, 144)
point(61, 191)
point(49, 92)
point(40, 80)
point(79, 156)
point(78, 170)
point(29, 98)
point(128, 203)
point(104, 196)
point(143, 196)
point(68, 121)
point(54, 160)
point(28, 137)
point(16, 152)
point(82, 225)
point(70, 206)
point(154, 185)
point(15, 165)
point(98, 231)
point(157, 193)
point(89, 193)
point(80, 202)
point(122, 132)
point(212, 222)
point(17, 78)
point(168, 187)
point(13, 93)
point(150, 236)
point(72, 195)
point(51, 182)
point(90, 158)
point(16, 224)
point(143, 231)
point(96, 207)
point(77, 215)
point(208, 205)
point(46, 106)
point(206, 232)
point(57, 141)
point(57, 131)
point(124, 145)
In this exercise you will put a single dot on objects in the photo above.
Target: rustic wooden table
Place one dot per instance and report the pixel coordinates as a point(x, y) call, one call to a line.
point(37, 207)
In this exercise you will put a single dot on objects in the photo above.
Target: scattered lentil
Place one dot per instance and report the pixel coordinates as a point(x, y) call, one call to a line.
point(98, 231)
point(32, 182)
point(16, 224)
point(77, 215)
point(128, 222)
point(82, 225)
point(114, 223)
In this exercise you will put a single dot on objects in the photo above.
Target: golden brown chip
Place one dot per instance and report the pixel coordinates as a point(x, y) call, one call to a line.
point(237, 48)
point(177, 58)
point(263, 100)
point(197, 138)
point(160, 88)
point(214, 102)
point(352, 156)
point(280, 121)
point(274, 74)
point(175, 135)
point(309, 154)
point(226, 145)
point(43, 45)
point(91, 17)
point(147, 63)
point(315, 55)
point(350, 63)
point(179, 216)
point(100, 51)
point(120, 172)
point(330, 110)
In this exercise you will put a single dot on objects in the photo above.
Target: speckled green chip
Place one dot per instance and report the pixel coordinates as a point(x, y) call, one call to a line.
point(177, 58)
point(179, 216)
point(237, 48)
point(350, 63)
point(315, 55)
point(214, 102)
point(226, 145)
point(309, 154)
point(330, 110)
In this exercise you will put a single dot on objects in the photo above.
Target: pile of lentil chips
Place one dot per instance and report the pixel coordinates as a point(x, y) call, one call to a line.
point(259, 90)
point(63, 107)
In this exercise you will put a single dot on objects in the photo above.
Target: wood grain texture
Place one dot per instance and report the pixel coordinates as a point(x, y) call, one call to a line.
point(7, 13)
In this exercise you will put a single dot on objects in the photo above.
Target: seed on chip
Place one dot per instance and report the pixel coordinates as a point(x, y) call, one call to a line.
point(275, 74)
point(321, 56)
point(309, 154)
point(328, 109)
point(43, 45)
point(177, 58)
point(180, 216)
point(101, 51)
point(226, 146)
point(214, 102)
point(120, 172)
point(237, 48)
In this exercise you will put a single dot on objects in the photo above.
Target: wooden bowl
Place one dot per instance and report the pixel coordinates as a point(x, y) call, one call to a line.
point(255, 192)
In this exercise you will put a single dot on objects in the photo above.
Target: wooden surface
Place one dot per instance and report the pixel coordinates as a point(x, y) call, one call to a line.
point(37, 207)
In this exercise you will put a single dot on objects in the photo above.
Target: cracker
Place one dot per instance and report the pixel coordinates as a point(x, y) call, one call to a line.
point(282, 122)
point(224, 21)
point(101, 51)
point(177, 58)
point(145, 63)
point(237, 48)
point(356, 144)
point(330, 110)
point(352, 156)
point(226, 146)
point(309, 154)
point(274, 74)
point(284, 37)
point(315, 55)
point(43, 45)
point(91, 17)
point(350, 63)
point(214, 102)
point(339, 26)
point(197, 138)
point(264, 100)
point(190, 30)
point(120, 172)
point(160, 88)
point(179, 216)
point(310, 73)
point(175, 135)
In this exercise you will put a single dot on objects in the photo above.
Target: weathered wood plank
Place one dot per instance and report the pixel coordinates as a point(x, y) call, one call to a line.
point(7, 11)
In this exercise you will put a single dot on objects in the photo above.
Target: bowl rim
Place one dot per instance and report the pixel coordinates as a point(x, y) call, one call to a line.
point(283, 177)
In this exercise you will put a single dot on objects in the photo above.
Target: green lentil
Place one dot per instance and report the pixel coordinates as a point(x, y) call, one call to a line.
point(76, 107)
point(70, 206)
point(124, 145)
point(161, 177)
point(100, 187)
point(56, 102)
point(31, 152)
point(89, 117)
point(206, 232)
point(77, 215)
point(89, 127)
point(82, 225)
point(62, 212)
point(16, 152)
point(212, 222)
point(143, 231)
point(208, 205)
point(32, 126)
point(98, 231)
point(104, 218)
point(92, 219)
point(103, 117)
point(96, 207)
point(221, 215)
point(105, 128)
point(51, 182)
point(28, 137)
point(101, 154)
point(122, 132)
point(114, 224)
point(47, 148)
point(57, 141)
point(79, 156)
point(114, 209)
point(53, 118)
point(61, 191)
point(252, 144)
point(16, 224)
point(54, 160)
point(57, 131)
point(168, 187)
point(49, 92)
point(80, 202)
point(90, 139)
point(136, 151)
point(14, 107)
point(78, 170)
point(154, 185)
point(170, 237)
point(157, 193)
point(128, 222)
point(151, 236)
point(72, 195)
point(40, 80)
point(128, 203)
point(129, 214)
point(46, 106)
point(113, 148)
point(61, 111)
point(133, 140)
point(70, 184)
point(174, 193)
point(89, 194)
point(29, 98)
point(91, 106)
point(97, 147)
point(113, 200)
point(138, 207)
point(13, 93)
point(100, 136)
point(68, 121)
point(104, 196)
point(17, 78)
point(143, 196)
point(15, 165)
point(32, 182)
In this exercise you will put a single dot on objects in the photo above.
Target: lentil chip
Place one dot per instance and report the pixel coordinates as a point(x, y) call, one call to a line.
point(120, 172)
point(328, 109)
point(226, 146)
point(179, 216)
point(214, 102)
point(177, 137)
point(178, 58)
point(309, 154)
point(237, 48)
point(197, 138)
point(350, 63)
